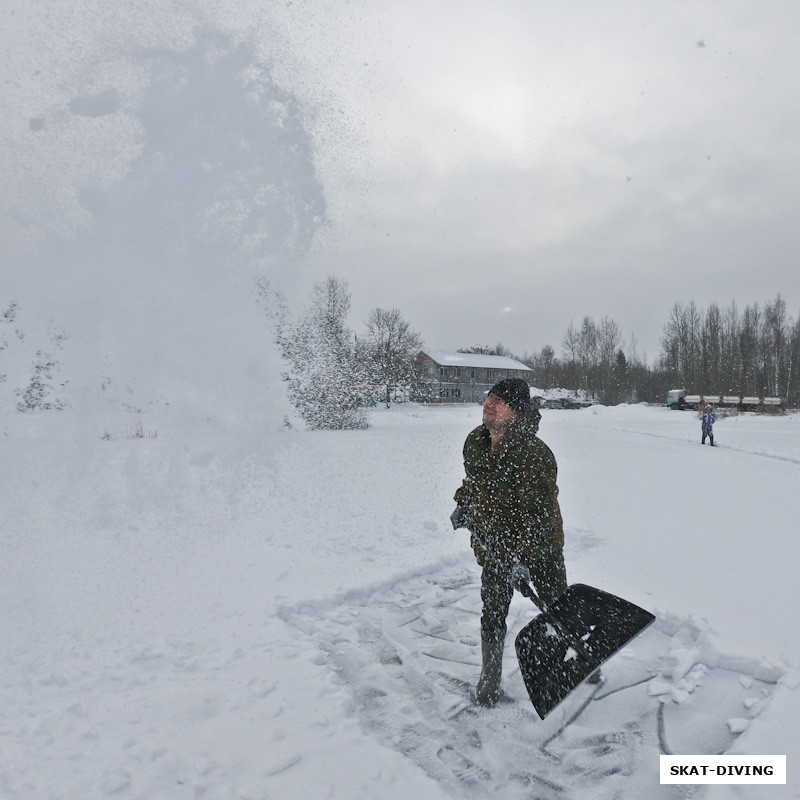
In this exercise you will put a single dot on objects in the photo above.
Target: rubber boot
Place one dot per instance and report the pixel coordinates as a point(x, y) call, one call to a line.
point(711, 437)
point(487, 692)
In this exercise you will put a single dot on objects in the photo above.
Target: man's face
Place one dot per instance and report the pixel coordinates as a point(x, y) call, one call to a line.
point(497, 414)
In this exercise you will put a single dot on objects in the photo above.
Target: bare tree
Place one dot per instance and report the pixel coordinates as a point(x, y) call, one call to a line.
point(711, 349)
point(637, 372)
point(587, 353)
point(792, 388)
point(570, 345)
point(608, 337)
point(748, 349)
point(731, 367)
point(680, 344)
point(774, 336)
point(545, 367)
point(389, 350)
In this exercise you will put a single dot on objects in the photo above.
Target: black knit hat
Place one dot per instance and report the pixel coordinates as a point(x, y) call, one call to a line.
point(514, 392)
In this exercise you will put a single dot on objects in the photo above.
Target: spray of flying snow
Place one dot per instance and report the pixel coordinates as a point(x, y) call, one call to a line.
point(191, 178)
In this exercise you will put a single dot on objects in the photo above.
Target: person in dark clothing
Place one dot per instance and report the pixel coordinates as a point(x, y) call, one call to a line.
point(509, 501)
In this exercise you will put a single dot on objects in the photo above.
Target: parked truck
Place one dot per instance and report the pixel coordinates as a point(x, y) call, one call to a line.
point(678, 399)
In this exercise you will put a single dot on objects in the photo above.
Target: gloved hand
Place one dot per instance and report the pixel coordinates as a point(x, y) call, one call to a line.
point(520, 574)
point(459, 518)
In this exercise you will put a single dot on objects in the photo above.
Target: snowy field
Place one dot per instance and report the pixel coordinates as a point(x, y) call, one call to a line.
point(185, 617)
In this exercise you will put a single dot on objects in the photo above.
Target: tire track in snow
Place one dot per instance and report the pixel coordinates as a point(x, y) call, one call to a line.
point(638, 432)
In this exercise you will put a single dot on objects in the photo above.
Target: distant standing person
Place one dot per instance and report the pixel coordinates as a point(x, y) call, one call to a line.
point(708, 421)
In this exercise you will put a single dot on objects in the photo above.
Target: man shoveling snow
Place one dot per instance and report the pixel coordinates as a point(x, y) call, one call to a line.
point(509, 501)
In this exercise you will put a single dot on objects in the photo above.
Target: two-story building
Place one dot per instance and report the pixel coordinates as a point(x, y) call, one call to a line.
point(452, 377)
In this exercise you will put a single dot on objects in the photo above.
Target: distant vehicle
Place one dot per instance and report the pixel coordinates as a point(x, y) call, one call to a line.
point(678, 399)
point(564, 403)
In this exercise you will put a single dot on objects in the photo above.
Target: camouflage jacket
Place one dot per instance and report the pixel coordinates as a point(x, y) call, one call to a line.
point(511, 496)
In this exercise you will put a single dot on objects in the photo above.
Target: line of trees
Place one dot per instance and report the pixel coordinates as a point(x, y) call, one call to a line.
point(755, 350)
point(750, 351)
point(595, 363)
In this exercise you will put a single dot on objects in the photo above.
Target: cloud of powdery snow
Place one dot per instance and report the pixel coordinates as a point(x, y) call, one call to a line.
point(192, 179)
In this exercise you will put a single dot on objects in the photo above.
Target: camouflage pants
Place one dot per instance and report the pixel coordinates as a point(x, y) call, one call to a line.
point(548, 575)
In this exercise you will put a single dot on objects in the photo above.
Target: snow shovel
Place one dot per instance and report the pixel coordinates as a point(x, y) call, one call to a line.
point(571, 638)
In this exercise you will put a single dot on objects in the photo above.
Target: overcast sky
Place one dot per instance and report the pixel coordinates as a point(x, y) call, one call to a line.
point(514, 166)
point(500, 169)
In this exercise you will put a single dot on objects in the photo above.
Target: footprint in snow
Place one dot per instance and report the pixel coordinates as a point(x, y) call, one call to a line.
point(410, 655)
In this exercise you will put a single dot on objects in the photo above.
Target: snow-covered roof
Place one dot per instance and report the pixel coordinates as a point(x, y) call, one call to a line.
point(448, 358)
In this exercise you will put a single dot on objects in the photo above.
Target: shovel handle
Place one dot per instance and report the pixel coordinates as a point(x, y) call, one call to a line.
point(524, 588)
point(520, 577)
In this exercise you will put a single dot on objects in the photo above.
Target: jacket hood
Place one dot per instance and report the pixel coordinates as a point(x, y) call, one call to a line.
point(528, 421)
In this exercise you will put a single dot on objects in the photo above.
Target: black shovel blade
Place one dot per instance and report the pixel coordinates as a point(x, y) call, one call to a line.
point(562, 647)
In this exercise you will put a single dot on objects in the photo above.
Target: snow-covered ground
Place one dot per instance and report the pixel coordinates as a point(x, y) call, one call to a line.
point(185, 616)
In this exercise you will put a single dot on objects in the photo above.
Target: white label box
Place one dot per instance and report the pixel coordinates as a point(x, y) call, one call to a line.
point(723, 769)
